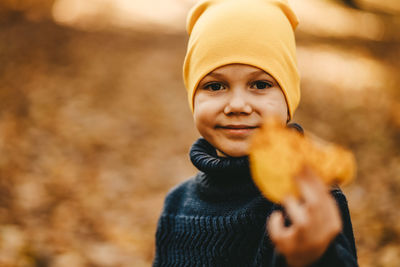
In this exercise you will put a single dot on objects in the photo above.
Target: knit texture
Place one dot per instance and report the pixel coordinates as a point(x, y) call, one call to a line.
point(218, 218)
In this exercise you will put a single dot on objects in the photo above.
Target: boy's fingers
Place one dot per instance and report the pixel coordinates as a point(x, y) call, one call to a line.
point(295, 210)
point(310, 186)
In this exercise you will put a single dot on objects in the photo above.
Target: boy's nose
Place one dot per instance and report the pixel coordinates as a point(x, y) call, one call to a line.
point(237, 104)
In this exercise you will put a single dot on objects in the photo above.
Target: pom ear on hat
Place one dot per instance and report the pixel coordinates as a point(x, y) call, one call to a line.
point(201, 6)
point(195, 13)
point(284, 5)
point(259, 33)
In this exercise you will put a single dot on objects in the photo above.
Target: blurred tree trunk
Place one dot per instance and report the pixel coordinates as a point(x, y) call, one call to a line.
point(389, 8)
point(350, 3)
point(30, 9)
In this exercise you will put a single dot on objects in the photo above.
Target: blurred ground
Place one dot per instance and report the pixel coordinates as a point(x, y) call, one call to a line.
point(95, 129)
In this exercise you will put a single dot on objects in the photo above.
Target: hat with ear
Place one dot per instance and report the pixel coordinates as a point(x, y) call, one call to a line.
point(259, 33)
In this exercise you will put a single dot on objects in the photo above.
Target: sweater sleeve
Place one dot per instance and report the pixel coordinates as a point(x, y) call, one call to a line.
point(342, 250)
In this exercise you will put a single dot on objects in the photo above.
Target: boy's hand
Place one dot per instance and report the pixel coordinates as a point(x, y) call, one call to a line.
point(315, 222)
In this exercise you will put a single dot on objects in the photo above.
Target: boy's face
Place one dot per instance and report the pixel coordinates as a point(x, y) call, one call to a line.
point(231, 102)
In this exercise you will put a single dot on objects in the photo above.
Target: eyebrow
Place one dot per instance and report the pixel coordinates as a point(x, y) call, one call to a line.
point(216, 74)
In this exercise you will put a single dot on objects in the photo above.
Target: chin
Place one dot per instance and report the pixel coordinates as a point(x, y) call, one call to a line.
point(235, 151)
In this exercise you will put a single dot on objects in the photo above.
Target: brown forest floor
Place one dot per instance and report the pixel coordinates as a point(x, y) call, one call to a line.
point(95, 129)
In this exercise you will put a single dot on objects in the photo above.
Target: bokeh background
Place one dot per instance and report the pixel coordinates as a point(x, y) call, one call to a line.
point(95, 127)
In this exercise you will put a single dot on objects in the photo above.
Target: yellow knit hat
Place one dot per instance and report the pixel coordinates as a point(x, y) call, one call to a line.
point(253, 32)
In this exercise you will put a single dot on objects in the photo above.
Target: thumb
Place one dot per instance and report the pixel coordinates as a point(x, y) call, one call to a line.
point(276, 227)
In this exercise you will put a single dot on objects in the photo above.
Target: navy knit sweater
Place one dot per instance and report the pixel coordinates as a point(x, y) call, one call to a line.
point(218, 218)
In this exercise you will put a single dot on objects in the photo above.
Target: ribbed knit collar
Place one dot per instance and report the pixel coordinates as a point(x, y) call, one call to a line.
point(223, 175)
point(220, 177)
point(204, 156)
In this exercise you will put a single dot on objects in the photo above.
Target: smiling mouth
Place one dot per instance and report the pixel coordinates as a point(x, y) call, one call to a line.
point(237, 127)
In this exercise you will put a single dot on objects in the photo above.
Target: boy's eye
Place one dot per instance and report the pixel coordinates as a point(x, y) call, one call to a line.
point(262, 85)
point(214, 86)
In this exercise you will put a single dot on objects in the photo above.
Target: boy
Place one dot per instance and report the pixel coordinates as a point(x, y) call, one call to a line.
point(240, 68)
